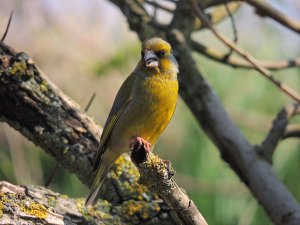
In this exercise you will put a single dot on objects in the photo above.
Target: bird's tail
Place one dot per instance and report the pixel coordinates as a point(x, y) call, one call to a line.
point(107, 161)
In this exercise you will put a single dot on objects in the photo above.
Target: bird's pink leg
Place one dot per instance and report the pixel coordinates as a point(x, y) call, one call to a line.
point(138, 142)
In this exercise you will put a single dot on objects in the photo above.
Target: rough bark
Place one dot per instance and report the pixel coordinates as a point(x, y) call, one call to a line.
point(42, 113)
point(28, 205)
point(156, 174)
point(245, 160)
point(72, 138)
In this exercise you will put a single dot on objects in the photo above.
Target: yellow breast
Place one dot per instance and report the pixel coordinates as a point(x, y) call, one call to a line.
point(157, 97)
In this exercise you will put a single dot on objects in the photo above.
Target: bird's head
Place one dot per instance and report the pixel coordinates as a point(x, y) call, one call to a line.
point(157, 55)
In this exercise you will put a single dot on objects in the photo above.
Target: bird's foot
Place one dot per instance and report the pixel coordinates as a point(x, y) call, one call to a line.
point(138, 142)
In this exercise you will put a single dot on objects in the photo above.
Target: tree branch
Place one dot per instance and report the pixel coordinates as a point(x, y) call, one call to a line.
point(219, 13)
point(240, 62)
point(253, 170)
point(292, 131)
point(264, 9)
point(39, 205)
point(278, 131)
point(266, 73)
point(256, 173)
point(156, 174)
point(42, 113)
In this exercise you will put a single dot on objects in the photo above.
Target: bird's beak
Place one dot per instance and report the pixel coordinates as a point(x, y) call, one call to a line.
point(150, 59)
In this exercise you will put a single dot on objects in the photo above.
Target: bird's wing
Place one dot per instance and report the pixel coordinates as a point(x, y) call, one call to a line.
point(122, 100)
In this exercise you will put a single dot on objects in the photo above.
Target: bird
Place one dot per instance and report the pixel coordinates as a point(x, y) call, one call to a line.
point(142, 109)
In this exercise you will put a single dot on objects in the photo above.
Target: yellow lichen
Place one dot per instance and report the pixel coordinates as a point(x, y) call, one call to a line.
point(124, 167)
point(121, 160)
point(35, 209)
point(1, 209)
point(102, 213)
point(44, 86)
point(17, 67)
point(141, 189)
point(132, 208)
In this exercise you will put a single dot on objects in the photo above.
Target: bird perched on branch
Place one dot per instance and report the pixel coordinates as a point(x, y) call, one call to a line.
point(141, 111)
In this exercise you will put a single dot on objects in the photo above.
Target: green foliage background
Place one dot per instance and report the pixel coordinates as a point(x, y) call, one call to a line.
point(88, 48)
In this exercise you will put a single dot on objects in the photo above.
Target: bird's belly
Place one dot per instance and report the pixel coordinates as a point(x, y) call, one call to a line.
point(146, 117)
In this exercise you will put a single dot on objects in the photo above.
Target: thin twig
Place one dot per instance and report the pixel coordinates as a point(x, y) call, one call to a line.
point(240, 62)
point(90, 102)
point(266, 73)
point(51, 176)
point(7, 27)
point(235, 34)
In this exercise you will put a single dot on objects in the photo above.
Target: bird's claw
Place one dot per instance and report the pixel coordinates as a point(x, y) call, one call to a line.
point(138, 142)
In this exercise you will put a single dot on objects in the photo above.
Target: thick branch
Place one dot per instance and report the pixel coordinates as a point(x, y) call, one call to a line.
point(43, 114)
point(32, 205)
point(39, 205)
point(156, 174)
point(256, 173)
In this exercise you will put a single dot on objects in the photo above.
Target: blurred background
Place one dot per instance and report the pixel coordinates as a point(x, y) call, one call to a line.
point(86, 47)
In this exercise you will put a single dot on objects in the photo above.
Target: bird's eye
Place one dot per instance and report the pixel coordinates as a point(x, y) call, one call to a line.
point(160, 53)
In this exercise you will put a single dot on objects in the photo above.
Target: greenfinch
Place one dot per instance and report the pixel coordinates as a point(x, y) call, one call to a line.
point(141, 110)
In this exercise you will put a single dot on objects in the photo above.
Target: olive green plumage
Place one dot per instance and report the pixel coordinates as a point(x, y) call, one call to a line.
point(142, 108)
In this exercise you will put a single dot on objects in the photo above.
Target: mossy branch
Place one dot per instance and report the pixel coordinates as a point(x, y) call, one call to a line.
point(31, 104)
point(39, 205)
point(253, 170)
point(156, 174)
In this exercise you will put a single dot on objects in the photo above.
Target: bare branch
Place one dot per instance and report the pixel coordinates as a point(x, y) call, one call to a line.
point(255, 172)
point(277, 132)
point(266, 10)
point(90, 102)
point(240, 62)
point(292, 131)
point(266, 73)
point(235, 34)
point(218, 13)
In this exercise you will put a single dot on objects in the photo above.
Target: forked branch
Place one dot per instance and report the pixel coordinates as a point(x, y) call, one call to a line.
point(266, 73)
